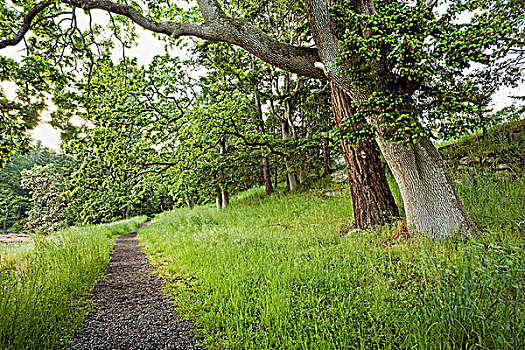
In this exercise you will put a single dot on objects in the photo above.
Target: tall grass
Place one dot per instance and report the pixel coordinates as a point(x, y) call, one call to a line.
point(284, 274)
point(42, 285)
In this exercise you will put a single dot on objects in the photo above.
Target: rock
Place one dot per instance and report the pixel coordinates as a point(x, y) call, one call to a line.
point(355, 232)
point(464, 168)
point(488, 161)
point(503, 167)
point(336, 193)
point(339, 176)
point(471, 160)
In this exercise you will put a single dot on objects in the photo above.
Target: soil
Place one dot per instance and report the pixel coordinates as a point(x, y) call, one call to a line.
point(131, 312)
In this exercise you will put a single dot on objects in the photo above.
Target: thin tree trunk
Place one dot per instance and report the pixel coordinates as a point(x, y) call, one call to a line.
point(371, 197)
point(218, 198)
point(225, 198)
point(265, 165)
point(266, 173)
point(326, 157)
point(290, 170)
point(5, 224)
point(275, 177)
point(189, 201)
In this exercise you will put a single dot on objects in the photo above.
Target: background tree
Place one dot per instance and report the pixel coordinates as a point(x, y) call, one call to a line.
point(16, 198)
point(46, 184)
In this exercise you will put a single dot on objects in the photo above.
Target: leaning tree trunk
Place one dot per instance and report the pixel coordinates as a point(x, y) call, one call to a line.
point(371, 197)
point(432, 204)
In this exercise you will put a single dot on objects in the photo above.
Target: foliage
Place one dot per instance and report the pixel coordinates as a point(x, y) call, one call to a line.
point(46, 184)
point(16, 198)
point(9, 204)
point(117, 175)
point(22, 114)
point(44, 285)
point(428, 67)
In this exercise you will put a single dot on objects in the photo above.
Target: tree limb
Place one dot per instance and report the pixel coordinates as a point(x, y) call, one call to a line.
point(217, 26)
point(26, 24)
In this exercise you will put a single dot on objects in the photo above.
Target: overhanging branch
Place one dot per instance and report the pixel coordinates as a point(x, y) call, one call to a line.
point(26, 24)
point(216, 27)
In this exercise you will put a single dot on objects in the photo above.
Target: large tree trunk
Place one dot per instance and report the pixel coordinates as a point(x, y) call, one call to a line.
point(371, 197)
point(266, 173)
point(430, 198)
point(432, 204)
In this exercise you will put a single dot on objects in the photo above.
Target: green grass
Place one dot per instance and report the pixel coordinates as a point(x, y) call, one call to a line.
point(280, 273)
point(43, 285)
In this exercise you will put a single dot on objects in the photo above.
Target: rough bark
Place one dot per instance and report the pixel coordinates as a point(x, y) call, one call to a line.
point(432, 204)
point(217, 26)
point(371, 197)
point(418, 169)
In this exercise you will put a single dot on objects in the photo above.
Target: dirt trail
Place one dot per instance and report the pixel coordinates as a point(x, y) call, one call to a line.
point(131, 312)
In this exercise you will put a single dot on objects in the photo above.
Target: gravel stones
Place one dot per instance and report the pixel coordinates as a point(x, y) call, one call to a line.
point(131, 312)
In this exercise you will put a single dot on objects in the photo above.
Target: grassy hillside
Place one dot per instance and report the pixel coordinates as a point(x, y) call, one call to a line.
point(284, 273)
point(502, 149)
point(43, 285)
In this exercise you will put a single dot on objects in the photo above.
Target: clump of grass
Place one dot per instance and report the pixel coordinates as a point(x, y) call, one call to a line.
point(474, 298)
point(42, 285)
point(283, 274)
point(496, 202)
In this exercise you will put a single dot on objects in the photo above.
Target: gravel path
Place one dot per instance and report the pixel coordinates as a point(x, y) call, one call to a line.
point(131, 311)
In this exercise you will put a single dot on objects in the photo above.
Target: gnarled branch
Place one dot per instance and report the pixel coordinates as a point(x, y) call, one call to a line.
point(26, 24)
point(216, 27)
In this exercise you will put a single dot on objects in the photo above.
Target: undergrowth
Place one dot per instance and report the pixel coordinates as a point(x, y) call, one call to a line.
point(43, 285)
point(284, 274)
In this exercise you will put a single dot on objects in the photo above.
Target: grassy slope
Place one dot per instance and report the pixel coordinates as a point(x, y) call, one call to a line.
point(42, 286)
point(281, 273)
point(506, 143)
